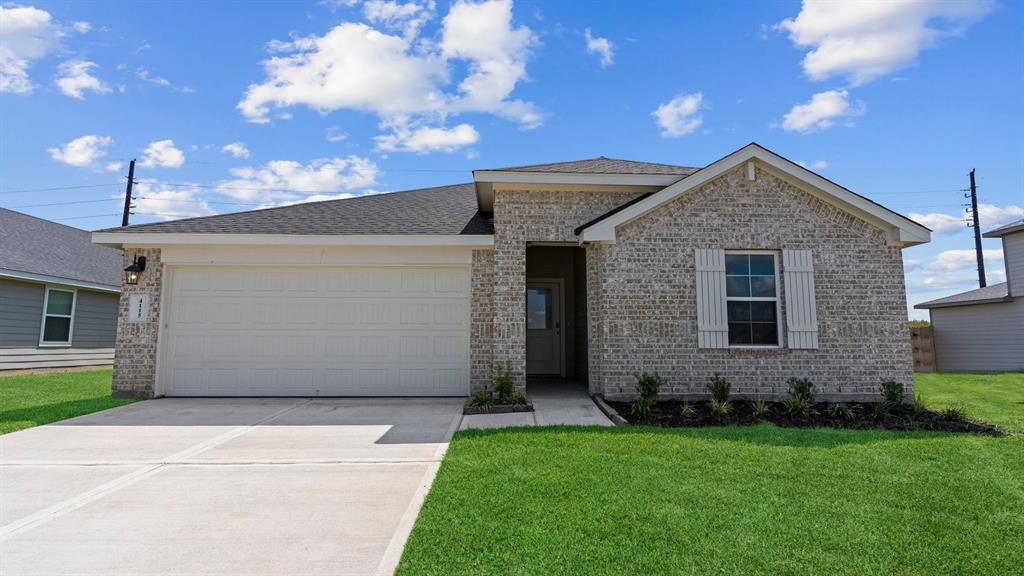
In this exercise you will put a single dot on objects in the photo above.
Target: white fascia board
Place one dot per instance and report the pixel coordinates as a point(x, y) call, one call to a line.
point(486, 179)
point(910, 233)
point(119, 239)
point(57, 280)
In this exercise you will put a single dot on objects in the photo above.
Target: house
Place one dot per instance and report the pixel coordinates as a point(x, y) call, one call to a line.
point(983, 329)
point(594, 270)
point(58, 295)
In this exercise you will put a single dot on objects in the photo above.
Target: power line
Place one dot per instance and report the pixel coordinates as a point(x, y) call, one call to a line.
point(62, 203)
point(90, 216)
point(26, 190)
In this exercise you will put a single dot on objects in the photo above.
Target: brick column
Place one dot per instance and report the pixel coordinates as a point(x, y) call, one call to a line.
point(135, 350)
point(510, 306)
point(481, 346)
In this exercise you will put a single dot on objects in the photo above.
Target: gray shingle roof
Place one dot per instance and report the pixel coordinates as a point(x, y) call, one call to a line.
point(991, 293)
point(602, 165)
point(441, 210)
point(1003, 230)
point(37, 246)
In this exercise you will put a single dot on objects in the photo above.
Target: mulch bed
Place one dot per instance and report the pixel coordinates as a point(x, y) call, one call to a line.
point(667, 413)
point(497, 408)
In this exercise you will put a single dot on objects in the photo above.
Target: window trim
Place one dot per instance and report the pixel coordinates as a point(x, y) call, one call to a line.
point(71, 325)
point(778, 303)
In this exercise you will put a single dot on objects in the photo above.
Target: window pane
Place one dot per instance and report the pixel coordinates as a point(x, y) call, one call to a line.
point(737, 285)
point(762, 286)
point(737, 264)
point(56, 329)
point(739, 333)
point(765, 333)
point(538, 308)
point(762, 311)
point(59, 302)
point(738, 311)
point(762, 264)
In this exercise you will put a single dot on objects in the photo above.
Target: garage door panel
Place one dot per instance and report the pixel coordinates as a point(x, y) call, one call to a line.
point(318, 331)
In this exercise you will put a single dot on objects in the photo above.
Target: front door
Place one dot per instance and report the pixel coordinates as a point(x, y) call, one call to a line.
point(543, 327)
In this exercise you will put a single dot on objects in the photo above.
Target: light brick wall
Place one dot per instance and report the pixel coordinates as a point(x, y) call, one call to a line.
point(522, 216)
point(135, 351)
point(648, 297)
point(481, 348)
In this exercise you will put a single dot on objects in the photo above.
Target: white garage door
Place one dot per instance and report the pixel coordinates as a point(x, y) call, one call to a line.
point(352, 331)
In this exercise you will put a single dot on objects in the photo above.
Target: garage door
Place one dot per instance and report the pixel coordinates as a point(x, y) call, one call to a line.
point(366, 331)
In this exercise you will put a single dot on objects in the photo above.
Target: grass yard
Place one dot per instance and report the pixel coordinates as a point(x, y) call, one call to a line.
point(32, 399)
point(994, 398)
point(730, 500)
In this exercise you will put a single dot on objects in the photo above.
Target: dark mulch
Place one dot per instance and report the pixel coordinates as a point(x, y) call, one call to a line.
point(668, 413)
point(496, 408)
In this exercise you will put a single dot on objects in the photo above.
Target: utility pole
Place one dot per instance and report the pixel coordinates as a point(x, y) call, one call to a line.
point(977, 233)
point(128, 193)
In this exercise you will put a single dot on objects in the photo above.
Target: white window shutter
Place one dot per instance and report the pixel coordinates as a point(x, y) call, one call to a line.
point(712, 320)
point(801, 315)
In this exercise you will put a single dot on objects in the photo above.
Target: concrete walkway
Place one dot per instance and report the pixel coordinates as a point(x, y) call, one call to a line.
point(555, 402)
point(221, 486)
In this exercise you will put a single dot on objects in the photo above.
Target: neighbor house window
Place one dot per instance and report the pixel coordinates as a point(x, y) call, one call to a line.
point(58, 310)
point(752, 298)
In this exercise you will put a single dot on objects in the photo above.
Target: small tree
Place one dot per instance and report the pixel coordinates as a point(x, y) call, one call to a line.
point(504, 383)
point(719, 388)
point(647, 385)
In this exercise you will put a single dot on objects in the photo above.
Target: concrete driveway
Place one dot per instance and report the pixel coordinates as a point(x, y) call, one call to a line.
point(221, 486)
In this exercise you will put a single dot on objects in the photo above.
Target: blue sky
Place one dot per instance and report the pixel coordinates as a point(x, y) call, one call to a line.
point(232, 106)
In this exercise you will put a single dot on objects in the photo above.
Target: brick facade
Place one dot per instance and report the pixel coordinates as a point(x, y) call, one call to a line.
point(135, 351)
point(481, 348)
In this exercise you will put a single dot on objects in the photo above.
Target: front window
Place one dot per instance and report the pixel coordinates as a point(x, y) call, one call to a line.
point(58, 309)
point(752, 298)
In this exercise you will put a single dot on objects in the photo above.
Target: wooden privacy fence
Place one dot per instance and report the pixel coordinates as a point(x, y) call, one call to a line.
point(922, 342)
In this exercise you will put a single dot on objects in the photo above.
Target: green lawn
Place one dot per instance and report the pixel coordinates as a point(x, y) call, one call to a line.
point(994, 398)
point(33, 399)
point(734, 500)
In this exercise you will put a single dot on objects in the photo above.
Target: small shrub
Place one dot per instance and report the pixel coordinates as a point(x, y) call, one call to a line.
point(516, 399)
point(892, 393)
point(721, 409)
point(504, 383)
point(719, 388)
point(641, 407)
point(482, 399)
point(801, 388)
point(648, 385)
point(799, 407)
point(954, 413)
point(760, 409)
point(883, 409)
point(842, 411)
point(687, 411)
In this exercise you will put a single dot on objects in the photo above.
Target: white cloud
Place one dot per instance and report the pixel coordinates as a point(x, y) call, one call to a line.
point(680, 116)
point(82, 151)
point(334, 134)
point(113, 166)
point(82, 27)
point(26, 34)
point(603, 47)
point(162, 154)
point(406, 18)
point(815, 165)
point(956, 269)
point(281, 181)
point(75, 78)
point(990, 216)
point(427, 139)
point(168, 203)
point(821, 112)
point(236, 149)
point(404, 80)
point(864, 40)
point(143, 74)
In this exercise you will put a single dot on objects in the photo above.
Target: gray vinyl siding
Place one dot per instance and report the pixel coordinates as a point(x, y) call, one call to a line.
point(981, 337)
point(1013, 253)
point(21, 311)
point(21, 314)
point(95, 320)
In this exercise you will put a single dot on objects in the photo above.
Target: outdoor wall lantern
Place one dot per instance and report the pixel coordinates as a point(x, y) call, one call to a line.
point(132, 272)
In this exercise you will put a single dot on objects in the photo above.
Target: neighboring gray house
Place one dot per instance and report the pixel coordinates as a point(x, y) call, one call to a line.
point(58, 295)
point(983, 329)
point(752, 267)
